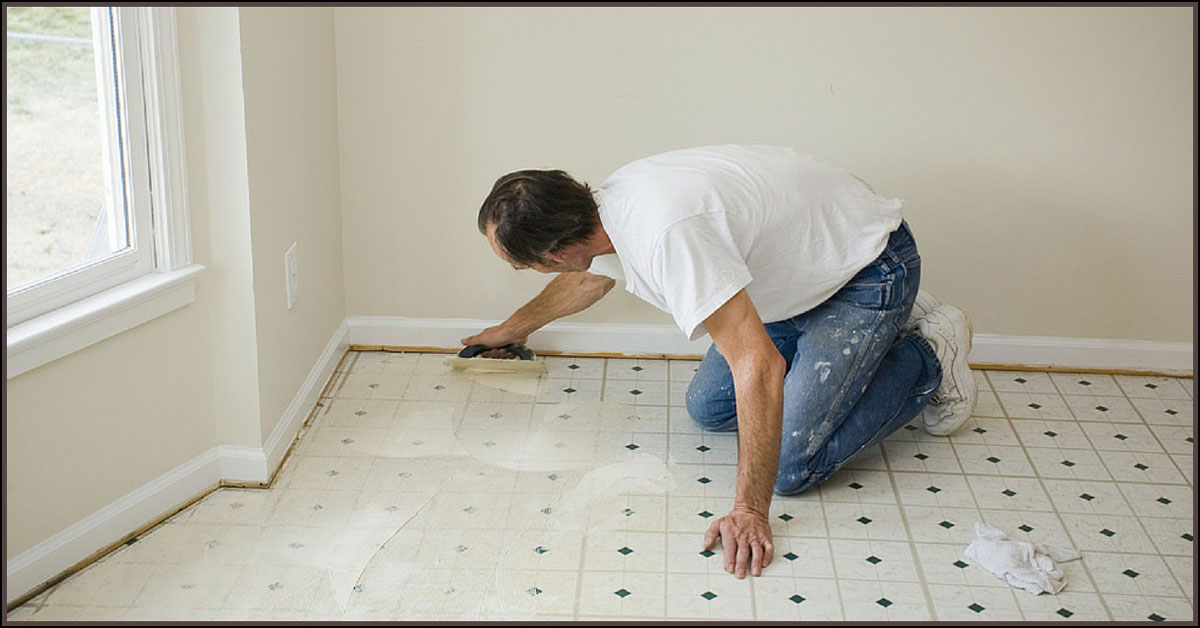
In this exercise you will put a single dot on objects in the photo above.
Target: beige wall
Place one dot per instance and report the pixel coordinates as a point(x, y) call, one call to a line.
point(261, 130)
point(85, 430)
point(289, 77)
point(218, 183)
point(1045, 153)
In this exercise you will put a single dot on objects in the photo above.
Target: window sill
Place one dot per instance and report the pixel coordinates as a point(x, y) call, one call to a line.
point(70, 328)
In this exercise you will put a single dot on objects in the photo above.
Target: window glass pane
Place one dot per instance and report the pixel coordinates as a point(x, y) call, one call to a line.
point(59, 214)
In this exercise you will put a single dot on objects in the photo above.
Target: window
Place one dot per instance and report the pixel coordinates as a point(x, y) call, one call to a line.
point(96, 216)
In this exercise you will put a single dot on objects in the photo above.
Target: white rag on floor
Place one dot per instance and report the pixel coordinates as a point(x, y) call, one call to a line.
point(1022, 564)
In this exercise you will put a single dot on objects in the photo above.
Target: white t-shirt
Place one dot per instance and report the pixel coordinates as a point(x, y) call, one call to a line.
point(693, 227)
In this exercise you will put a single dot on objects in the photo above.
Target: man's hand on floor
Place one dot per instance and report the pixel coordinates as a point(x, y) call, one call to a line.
point(745, 538)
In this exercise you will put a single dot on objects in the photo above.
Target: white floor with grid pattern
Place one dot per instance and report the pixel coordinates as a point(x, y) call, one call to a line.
point(421, 493)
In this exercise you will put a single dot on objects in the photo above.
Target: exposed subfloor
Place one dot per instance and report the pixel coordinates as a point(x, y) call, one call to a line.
point(422, 493)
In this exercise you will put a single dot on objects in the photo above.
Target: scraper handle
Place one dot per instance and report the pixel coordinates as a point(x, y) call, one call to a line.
point(518, 350)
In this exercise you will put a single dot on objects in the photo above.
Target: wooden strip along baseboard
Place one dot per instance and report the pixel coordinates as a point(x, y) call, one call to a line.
point(1040, 368)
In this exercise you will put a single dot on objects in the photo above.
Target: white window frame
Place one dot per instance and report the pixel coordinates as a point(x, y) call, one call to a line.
point(62, 314)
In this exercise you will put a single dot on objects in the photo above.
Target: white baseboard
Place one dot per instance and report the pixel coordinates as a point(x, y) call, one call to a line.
point(178, 486)
point(303, 402)
point(243, 464)
point(1033, 351)
point(1171, 358)
point(108, 525)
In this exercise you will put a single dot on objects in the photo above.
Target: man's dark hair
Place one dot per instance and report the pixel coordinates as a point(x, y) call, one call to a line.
point(538, 211)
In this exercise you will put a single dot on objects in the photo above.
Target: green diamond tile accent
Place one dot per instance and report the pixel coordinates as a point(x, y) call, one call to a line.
point(1120, 437)
point(625, 551)
point(622, 593)
point(704, 480)
point(568, 390)
point(874, 560)
point(993, 459)
point(960, 564)
point(708, 595)
point(946, 524)
point(796, 598)
point(977, 608)
point(1067, 463)
point(707, 553)
point(1064, 612)
point(790, 556)
point(1140, 467)
point(1163, 500)
point(855, 485)
point(1087, 498)
point(573, 366)
point(635, 392)
point(637, 368)
point(1131, 573)
point(1020, 380)
point(631, 446)
point(702, 448)
point(933, 489)
point(920, 456)
point(884, 602)
point(786, 517)
point(705, 514)
point(540, 550)
point(1035, 406)
point(1185, 536)
point(1025, 528)
point(1050, 433)
point(863, 520)
point(1085, 382)
point(1170, 411)
point(1107, 532)
point(1155, 616)
point(979, 430)
point(1008, 493)
point(1102, 408)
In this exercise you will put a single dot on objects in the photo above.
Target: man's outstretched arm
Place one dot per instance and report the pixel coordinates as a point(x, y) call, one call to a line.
point(758, 371)
point(566, 294)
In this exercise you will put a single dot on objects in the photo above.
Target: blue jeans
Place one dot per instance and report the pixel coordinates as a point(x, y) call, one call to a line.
point(852, 377)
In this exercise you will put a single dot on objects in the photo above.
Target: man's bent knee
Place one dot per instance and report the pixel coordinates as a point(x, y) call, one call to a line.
point(710, 414)
point(794, 483)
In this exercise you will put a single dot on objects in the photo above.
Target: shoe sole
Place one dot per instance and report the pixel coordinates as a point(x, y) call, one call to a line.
point(960, 374)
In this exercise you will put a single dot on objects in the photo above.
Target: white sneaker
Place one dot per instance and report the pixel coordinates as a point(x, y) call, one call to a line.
point(948, 329)
point(924, 304)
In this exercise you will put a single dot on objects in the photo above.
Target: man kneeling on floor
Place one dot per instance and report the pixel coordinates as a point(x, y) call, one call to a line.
point(805, 278)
